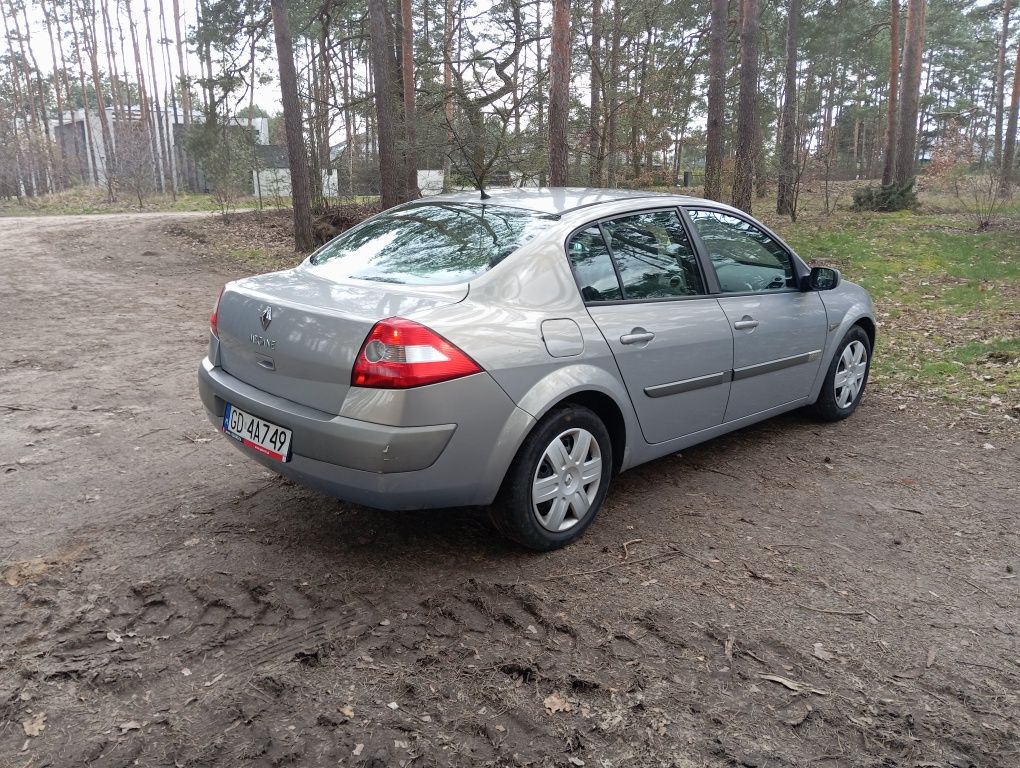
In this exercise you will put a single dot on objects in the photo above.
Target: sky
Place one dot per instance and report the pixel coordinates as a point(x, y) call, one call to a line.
point(267, 96)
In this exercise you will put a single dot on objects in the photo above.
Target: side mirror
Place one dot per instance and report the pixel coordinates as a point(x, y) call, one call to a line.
point(822, 279)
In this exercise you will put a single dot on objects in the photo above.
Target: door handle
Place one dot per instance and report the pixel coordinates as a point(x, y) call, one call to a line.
point(745, 323)
point(637, 336)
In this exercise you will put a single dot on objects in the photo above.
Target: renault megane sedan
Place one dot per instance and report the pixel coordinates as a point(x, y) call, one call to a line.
point(520, 350)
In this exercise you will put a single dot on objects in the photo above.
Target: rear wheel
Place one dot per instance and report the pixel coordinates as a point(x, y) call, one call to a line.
point(557, 481)
point(847, 377)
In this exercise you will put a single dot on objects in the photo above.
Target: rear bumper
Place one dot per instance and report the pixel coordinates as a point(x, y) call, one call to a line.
point(385, 465)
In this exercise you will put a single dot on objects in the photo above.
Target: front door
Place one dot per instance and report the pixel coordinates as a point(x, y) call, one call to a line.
point(672, 341)
point(778, 330)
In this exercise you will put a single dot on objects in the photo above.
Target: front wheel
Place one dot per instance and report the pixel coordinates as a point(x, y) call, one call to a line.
point(847, 377)
point(557, 481)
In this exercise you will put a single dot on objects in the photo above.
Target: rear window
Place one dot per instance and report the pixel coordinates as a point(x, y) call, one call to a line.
point(430, 243)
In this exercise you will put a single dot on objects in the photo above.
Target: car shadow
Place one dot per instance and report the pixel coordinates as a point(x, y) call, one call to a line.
point(329, 533)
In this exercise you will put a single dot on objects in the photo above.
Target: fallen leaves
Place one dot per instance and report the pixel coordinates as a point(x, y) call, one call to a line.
point(555, 702)
point(35, 725)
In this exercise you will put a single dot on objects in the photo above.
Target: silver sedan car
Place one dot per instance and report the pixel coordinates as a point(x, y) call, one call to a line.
point(519, 350)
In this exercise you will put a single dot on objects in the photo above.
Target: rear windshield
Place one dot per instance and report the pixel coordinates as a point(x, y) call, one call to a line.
point(430, 243)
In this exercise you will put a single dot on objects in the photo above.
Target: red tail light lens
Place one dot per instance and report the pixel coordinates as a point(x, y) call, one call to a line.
point(399, 354)
point(214, 318)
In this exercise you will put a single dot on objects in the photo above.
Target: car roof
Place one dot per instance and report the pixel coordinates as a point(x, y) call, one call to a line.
point(561, 200)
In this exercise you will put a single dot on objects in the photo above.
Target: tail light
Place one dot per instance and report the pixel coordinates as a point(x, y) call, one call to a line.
point(214, 318)
point(399, 354)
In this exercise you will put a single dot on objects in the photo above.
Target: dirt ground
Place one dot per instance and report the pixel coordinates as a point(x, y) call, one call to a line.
point(795, 594)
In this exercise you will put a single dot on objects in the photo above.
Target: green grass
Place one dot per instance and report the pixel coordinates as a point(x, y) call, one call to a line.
point(90, 200)
point(947, 297)
point(93, 200)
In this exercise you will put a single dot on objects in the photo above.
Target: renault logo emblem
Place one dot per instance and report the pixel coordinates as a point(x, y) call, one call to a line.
point(266, 318)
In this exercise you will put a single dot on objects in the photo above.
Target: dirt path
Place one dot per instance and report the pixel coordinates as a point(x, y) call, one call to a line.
point(793, 595)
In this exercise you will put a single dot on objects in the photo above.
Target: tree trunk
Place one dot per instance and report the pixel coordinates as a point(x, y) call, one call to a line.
point(43, 127)
point(1000, 85)
point(1009, 151)
point(743, 171)
point(387, 103)
point(169, 102)
point(189, 168)
point(163, 164)
point(448, 90)
point(144, 106)
point(89, 40)
point(788, 139)
point(892, 113)
point(540, 101)
point(910, 94)
point(292, 119)
point(559, 93)
point(637, 112)
point(716, 100)
point(62, 178)
point(91, 157)
point(595, 105)
point(407, 79)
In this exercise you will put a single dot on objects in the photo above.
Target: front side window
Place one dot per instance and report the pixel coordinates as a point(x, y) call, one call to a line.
point(744, 257)
point(593, 266)
point(654, 256)
point(429, 243)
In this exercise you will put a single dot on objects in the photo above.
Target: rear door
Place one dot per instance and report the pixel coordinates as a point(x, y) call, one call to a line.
point(778, 330)
point(645, 290)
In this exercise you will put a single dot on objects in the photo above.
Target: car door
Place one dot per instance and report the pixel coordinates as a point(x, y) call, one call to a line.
point(645, 289)
point(778, 330)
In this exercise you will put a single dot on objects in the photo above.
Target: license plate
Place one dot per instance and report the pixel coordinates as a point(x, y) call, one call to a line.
point(257, 434)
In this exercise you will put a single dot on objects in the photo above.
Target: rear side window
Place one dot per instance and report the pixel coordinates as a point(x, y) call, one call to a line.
point(430, 243)
point(654, 256)
point(593, 266)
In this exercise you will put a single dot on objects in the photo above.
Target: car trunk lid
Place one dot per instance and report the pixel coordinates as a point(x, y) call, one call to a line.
point(296, 334)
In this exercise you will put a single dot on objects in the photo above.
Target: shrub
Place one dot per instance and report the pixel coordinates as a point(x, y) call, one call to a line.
point(886, 197)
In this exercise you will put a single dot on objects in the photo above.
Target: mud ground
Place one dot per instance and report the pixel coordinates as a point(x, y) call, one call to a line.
point(795, 594)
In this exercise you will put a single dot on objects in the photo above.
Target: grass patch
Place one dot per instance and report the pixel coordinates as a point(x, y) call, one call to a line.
point(92, 200)
point(947, 298)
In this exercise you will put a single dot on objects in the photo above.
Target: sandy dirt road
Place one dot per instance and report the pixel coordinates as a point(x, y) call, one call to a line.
point(795, 594)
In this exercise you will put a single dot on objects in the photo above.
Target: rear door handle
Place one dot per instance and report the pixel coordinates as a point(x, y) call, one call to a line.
point(745, 322)
point(637, 336)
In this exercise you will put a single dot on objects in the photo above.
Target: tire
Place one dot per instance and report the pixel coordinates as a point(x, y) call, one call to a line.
point(560, 519)
point(836, 402)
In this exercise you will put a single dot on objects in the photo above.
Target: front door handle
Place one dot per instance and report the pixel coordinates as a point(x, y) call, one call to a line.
point(745, 323)
point(637, 336)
